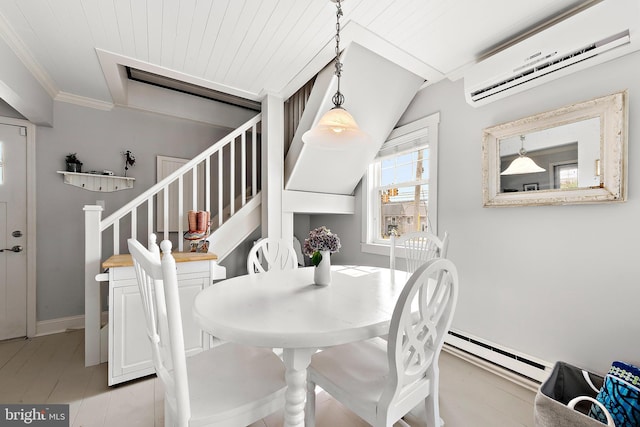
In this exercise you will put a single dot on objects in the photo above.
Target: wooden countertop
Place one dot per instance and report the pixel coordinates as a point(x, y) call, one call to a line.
point(124, 260)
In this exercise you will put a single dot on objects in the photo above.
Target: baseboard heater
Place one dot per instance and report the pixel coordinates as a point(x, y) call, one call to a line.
point(523, 365)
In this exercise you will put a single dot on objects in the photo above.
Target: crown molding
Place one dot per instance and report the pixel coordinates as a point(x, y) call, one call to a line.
point(83, 101)
point(23, 53)
point(18, 47)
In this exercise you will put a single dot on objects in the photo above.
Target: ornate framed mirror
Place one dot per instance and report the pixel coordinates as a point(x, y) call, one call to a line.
point(575, 154)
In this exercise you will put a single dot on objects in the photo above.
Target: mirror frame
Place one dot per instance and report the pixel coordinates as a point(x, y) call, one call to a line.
point(612, 111)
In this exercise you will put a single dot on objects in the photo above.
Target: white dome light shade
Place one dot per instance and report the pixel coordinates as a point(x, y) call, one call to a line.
point(521, 165)
point(336, 130)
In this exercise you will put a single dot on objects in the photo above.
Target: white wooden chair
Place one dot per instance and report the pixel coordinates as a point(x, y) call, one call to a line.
point(270, 253)
point(381, 381)
point(419, 247)
point(229, 385)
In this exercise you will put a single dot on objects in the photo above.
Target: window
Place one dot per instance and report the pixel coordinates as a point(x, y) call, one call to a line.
point(403, 191)
point(399, 194)
point(566, 175)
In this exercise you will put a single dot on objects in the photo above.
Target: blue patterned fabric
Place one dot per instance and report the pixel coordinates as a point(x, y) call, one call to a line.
point(620, 394)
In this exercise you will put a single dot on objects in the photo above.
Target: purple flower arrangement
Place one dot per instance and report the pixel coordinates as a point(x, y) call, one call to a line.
point(320, 239)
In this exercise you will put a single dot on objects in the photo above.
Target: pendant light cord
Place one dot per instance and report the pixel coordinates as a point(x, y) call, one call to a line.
point(522, 151)
point(338, 97)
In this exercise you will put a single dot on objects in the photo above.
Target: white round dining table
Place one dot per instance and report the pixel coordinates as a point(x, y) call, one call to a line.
point(284, 309)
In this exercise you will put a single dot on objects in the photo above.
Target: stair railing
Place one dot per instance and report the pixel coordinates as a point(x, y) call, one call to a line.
point(205, 158)
point(95, 226)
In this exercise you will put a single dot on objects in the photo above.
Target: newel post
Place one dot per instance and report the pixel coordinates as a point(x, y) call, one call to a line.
point(275, 223)
point(92, 257)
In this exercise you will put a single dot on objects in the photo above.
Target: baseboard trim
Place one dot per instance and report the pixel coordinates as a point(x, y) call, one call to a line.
point(63, 324)
point(507, 374)
point(510, 359)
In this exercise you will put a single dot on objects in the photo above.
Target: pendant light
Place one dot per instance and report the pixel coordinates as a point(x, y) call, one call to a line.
point(522, 164)
point(337, 129)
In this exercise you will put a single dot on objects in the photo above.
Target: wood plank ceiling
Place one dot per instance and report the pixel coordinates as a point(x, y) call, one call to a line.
point(251, 46)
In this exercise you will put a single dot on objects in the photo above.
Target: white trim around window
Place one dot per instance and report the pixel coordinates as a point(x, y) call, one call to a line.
point(402, 139)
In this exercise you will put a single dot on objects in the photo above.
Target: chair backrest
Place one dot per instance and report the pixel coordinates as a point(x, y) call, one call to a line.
point(269, 254)
point(420, 321)
point(419, 247)
point(153, 246)
point(158, 284)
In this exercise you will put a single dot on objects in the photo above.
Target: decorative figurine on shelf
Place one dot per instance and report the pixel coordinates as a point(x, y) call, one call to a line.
point(73, 163)
point(129, 160)
point(199, 230)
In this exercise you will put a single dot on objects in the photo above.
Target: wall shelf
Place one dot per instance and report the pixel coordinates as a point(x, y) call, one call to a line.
point(96, 182)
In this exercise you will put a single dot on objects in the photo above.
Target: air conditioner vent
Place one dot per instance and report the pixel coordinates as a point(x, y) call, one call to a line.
point(545, 68)
point(556, 51)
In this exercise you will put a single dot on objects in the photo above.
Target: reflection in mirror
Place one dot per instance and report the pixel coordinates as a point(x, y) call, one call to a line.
point(575, 154)
point(565, 155)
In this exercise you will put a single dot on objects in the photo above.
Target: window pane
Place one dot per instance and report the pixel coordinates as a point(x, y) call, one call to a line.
point(403, 209)
point(566, 176)
point(569, 178)
point(404, 168)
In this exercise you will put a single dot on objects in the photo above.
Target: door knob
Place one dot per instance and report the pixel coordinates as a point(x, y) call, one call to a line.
point(16, 248)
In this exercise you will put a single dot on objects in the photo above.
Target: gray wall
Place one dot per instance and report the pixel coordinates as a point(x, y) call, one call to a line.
point(7, 110)
point(554, 282)
point(99, 138)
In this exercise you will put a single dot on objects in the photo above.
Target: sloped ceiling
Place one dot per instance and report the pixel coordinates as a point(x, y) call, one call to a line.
point(376, 92)
point(251, 47)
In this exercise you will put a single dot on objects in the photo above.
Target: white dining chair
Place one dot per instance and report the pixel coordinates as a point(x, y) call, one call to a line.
point(419, 247)
point(381, 381)
point(270, 253)
point(228, 385)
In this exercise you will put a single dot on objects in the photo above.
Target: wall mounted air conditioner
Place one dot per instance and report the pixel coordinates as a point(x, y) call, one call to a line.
point(604, 31)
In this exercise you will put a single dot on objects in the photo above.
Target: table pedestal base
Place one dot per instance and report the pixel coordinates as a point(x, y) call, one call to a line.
point(296, 362)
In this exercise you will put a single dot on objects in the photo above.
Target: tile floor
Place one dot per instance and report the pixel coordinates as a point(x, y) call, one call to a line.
point(50, 369)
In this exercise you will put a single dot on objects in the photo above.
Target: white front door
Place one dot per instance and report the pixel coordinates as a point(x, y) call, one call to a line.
point(13, 230)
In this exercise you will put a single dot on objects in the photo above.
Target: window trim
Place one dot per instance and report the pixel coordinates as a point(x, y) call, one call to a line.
point(1, 164)
point(424, 127)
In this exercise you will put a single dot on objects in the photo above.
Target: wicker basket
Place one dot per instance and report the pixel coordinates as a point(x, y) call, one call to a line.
point(565, 383)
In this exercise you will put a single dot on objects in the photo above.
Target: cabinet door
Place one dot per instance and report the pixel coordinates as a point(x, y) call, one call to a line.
point(130, 349)
point(194, 339)
point(130, 352)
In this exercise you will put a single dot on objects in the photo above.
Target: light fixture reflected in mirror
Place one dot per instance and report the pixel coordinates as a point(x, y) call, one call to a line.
point(600, 123)
point(522, 164)
point(337, 129)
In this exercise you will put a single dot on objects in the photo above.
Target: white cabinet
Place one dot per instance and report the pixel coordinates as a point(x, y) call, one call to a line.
point(129, 352)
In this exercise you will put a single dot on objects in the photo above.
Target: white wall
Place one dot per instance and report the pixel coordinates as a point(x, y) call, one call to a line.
point(21, 90)
point(554, 282)
point(99, 137)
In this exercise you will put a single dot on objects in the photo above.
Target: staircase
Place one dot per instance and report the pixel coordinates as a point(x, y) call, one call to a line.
point(232, 196)
point(379, 92)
